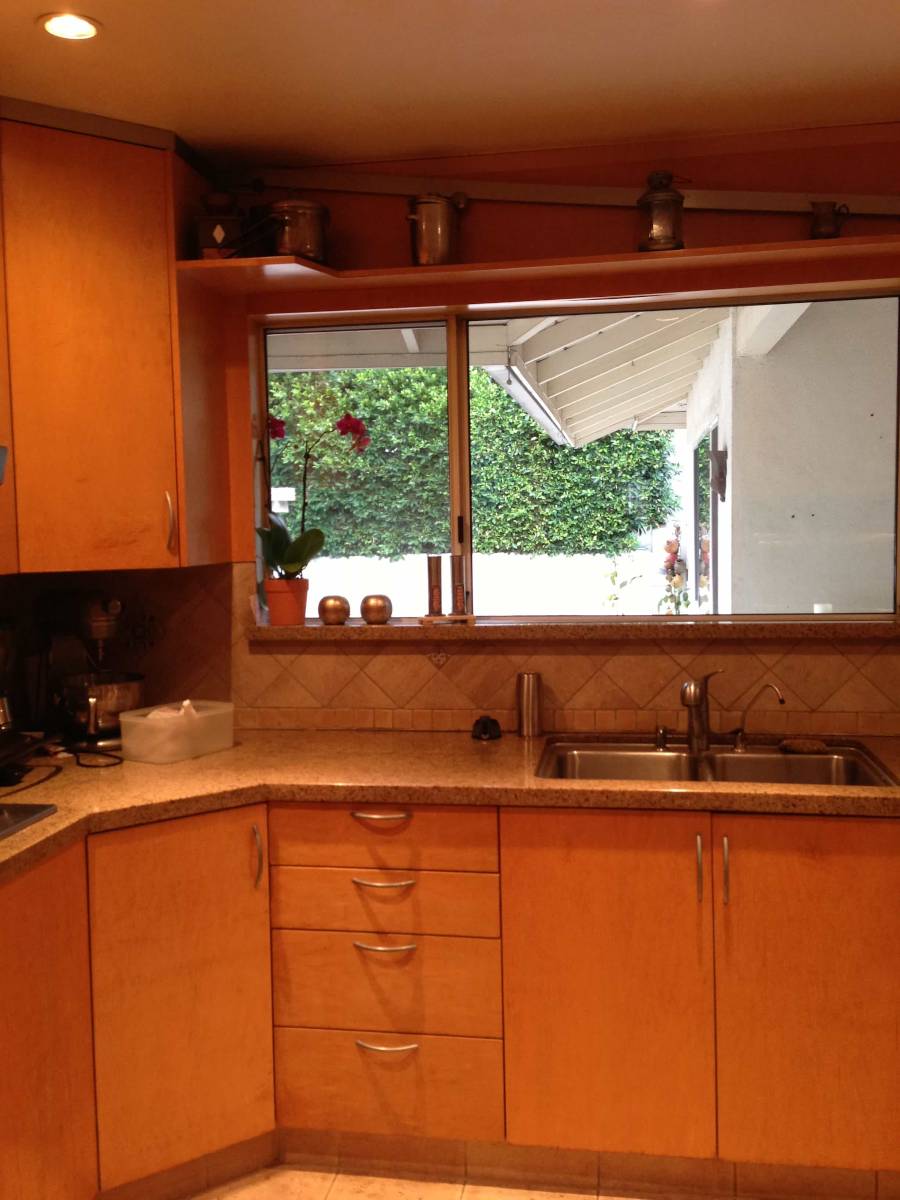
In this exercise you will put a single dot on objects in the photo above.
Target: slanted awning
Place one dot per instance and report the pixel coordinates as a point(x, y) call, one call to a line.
point(580, 377)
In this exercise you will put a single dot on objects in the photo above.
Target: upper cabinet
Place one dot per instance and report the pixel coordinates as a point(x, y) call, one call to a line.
point(9, 554)
point(102, 431)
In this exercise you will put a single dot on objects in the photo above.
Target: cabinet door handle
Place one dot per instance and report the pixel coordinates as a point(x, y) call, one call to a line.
point(387, 1049)
point(371, 883)
point(699, 869)
point(407, 949)
point(370, 816)
point(173, 523)
point(726, 872)
point(260, 855)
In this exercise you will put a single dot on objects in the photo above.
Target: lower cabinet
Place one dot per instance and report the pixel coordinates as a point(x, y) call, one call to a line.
point(608, 980)
point(48, 1142)
point(808, 989)
point(370, 1081)
point(387, 971)
point(182, 990)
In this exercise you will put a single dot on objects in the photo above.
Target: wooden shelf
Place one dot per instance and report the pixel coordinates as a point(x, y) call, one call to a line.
point(855, 258)
point(615, 629)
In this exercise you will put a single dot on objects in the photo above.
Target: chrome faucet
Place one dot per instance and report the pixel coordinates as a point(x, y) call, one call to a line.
point(695, 698)
point(740, 734)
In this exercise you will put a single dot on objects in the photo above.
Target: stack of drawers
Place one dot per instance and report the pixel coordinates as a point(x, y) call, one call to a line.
point(387, 972)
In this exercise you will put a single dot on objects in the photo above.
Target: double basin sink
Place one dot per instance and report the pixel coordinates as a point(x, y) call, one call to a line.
point(841, 766)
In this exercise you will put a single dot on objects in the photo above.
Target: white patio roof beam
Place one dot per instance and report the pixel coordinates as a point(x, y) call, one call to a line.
point(685, 371)
point(640, 336)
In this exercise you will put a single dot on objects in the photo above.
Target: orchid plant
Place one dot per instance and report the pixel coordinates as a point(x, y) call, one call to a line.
point(286, 557)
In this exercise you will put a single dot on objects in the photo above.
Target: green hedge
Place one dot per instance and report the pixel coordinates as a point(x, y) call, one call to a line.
point(529, 496)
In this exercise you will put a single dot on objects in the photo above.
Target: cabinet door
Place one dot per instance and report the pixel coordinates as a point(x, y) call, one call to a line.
point(90, 346)
point(608, 981)
point(808, 990)
point(182, 990)
point(48, 1141)
point(9, 552)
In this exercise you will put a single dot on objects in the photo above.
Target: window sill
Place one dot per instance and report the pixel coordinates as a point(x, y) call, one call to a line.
point(492, 629)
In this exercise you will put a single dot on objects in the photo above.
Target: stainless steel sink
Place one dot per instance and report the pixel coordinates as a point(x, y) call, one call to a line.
point(568, 759)
point(843, 766)
point(14, 817)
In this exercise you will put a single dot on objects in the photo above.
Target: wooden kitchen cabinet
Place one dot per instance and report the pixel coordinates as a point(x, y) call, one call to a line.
point(808, 989)
point(182, 990)
point(121, 440)
point(9, 550)
point(608, 980)
point(48, 1143)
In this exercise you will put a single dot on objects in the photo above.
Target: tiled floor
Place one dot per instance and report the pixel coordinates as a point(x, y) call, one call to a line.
point(291, 1183)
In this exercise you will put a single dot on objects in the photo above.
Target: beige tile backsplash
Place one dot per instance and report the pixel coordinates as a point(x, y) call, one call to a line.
point(850, 687)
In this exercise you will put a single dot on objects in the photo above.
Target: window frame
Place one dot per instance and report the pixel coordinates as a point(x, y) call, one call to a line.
point(456, 319)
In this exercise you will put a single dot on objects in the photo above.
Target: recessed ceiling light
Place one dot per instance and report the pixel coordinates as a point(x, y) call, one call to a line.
point(70, 26)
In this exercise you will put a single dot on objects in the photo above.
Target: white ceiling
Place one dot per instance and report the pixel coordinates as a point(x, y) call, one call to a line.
point(289, 82)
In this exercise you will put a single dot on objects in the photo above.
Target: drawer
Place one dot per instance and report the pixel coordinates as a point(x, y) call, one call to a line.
point(466, 904)
point(383, 835)
point(447, 985)
point(447, 1087)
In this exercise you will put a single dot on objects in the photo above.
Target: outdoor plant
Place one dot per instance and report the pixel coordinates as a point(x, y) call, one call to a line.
point(286, 556)
point(676, 595)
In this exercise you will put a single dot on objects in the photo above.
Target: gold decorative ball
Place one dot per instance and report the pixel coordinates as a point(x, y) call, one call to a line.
point(376, 610)
point(334, 610)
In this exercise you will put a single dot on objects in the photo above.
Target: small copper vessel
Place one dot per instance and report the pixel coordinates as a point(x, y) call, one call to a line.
point(376, 610)
point(334, 610)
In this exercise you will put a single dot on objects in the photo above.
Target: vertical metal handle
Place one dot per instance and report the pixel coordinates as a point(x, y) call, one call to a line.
point(699, 869)
point(93, 721)
point(173, 523)
point(726, 872)
point(260, 856)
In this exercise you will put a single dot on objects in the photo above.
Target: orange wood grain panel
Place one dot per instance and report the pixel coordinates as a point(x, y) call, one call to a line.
point(808, 990)
point(48, 1143)
point(455, 902)
point(446, 985)
point(87, 260)
point(201, 424)
point(9, 543)
point(447, 1088)
point(608, 982)
point(438, 838)
point(182, 995)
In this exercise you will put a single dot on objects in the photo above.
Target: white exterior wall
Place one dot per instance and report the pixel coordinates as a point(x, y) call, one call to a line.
point(812, 468)
point(710, 404)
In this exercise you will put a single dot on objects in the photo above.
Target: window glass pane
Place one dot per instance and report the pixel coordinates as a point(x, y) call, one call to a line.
point(732, 460)
point(382, 504)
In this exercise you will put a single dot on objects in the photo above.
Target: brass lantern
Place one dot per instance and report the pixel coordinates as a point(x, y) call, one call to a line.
point(663, 205)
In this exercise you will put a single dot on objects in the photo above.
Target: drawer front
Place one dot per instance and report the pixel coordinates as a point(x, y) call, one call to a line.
point(445, 1088)
point(445, 985)
point(383, 835)
point(393, 901)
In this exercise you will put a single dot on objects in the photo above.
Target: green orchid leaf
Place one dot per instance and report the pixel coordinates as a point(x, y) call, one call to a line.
point(302, 549)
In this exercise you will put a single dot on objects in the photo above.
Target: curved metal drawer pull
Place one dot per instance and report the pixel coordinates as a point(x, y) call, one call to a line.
point(399, 883)
point(387, 1049)
point(387, 949)
point(395, 816)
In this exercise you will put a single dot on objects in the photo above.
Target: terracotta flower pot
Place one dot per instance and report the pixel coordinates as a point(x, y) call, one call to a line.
point(286, 600)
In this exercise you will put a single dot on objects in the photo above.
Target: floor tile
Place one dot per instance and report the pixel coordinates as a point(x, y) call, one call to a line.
point(275, 1183)
point(374, 1187)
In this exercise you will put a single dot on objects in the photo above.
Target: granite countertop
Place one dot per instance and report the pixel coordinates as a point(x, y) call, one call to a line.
point(387, 768)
